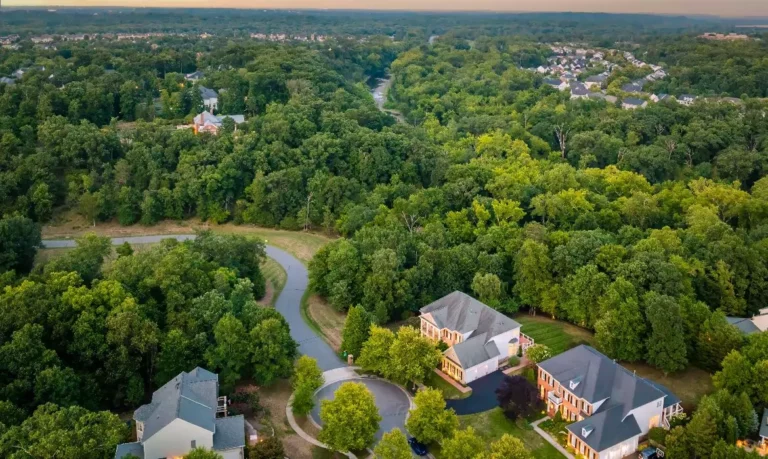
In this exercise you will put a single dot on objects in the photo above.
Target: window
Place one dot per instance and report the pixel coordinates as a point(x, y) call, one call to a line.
point(193, 444)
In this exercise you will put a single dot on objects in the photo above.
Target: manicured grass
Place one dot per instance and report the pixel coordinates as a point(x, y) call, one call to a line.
point(558, 336)
point(449, 392)
point(492, 424)
point(690, 384)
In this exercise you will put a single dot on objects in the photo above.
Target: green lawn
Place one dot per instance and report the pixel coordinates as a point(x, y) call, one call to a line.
point(449, 392)
point(690, 384)
point(492, 424)
point(558, 336)
point(275, 275)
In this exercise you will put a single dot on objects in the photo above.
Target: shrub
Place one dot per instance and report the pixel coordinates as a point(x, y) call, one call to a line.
point(657, 435)
point(538, 353)
point(513, 361)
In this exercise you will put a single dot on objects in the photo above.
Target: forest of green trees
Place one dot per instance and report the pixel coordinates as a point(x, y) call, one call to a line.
point(647, 227)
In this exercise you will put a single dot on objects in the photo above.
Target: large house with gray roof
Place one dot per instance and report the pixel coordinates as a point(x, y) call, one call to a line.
point(610, 407)
point(186, 413)
point(480, 339)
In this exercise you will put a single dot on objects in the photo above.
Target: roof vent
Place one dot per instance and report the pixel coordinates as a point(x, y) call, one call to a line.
point(586, 430)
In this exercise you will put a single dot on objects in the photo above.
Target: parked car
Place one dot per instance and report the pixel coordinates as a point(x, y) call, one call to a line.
point(648, 453)
point(419, 449)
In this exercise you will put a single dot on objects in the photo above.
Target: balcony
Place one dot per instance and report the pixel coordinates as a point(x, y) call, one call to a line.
point(552, 397)
point(526, 341)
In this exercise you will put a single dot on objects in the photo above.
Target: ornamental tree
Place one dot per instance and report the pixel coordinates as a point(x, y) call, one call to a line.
point(430, 421)
point(350, 420)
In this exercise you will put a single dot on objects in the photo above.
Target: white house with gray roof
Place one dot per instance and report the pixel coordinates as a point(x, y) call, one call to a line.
point(610, 407)
point(182, 416)
point(480, 338)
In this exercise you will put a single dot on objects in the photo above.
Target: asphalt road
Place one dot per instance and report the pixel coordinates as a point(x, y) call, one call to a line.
point(288, 303)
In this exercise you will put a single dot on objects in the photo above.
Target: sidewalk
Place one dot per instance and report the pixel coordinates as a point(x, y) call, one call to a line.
point(524, 362)
point(549, 439)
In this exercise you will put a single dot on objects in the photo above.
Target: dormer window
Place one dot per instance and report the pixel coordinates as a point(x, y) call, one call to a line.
point(586, 430)
point(574, 383)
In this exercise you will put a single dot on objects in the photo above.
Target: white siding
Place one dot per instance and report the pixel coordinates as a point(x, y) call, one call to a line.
point(236, 453)
point(175, 439)
point(480, 370)
point(502, 342)
point(644, 414)
point(621, 450)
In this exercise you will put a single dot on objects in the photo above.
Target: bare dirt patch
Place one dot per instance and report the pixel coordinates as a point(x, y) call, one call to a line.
point(274, 399)
point(303, 245)
point(328, 320)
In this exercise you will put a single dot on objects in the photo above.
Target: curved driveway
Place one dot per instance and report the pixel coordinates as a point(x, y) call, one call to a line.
point(288, 303)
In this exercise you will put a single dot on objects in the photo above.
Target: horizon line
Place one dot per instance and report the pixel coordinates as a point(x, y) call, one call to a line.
point(118, 5)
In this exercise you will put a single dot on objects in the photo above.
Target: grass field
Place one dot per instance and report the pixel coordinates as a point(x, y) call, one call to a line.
point(275, 277)
point(449, 392)
point(303, 245)
point(491, 425)
point(558, 336)
point(324, 319)
point(690, 384)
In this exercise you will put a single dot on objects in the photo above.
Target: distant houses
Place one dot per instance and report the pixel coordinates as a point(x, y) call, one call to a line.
point(195, 76)
point(210, 123)
point(555, 83)
point(631, 103)
point(579, 91)
point(686, 99)
point(596, 81)
point(210, 98)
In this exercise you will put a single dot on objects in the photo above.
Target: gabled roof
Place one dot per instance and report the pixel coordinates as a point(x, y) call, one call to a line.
point(633, 101)
point(579, 90)
point(764, 424)
point(745, 325)
point(597, 78)
point(191, 397)
point(609, 428)
point(208, 93)
point(196, 75)
point(552, 82)
point(230, 433)
point(460, 312)
point(599, 379)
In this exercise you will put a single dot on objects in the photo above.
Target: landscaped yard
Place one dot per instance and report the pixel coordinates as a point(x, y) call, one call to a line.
point(449, 392)
point(492, 424)
point(558, 336)
point(690, 385)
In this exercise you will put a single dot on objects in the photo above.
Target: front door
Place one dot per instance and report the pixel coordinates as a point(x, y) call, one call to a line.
point(654, 422)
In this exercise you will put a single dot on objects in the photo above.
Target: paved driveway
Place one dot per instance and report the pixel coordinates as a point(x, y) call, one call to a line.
point(288, 303)
point(483, 396)
point(391, 401)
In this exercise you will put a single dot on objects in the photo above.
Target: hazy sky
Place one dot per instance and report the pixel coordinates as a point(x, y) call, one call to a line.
point(717, 7)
